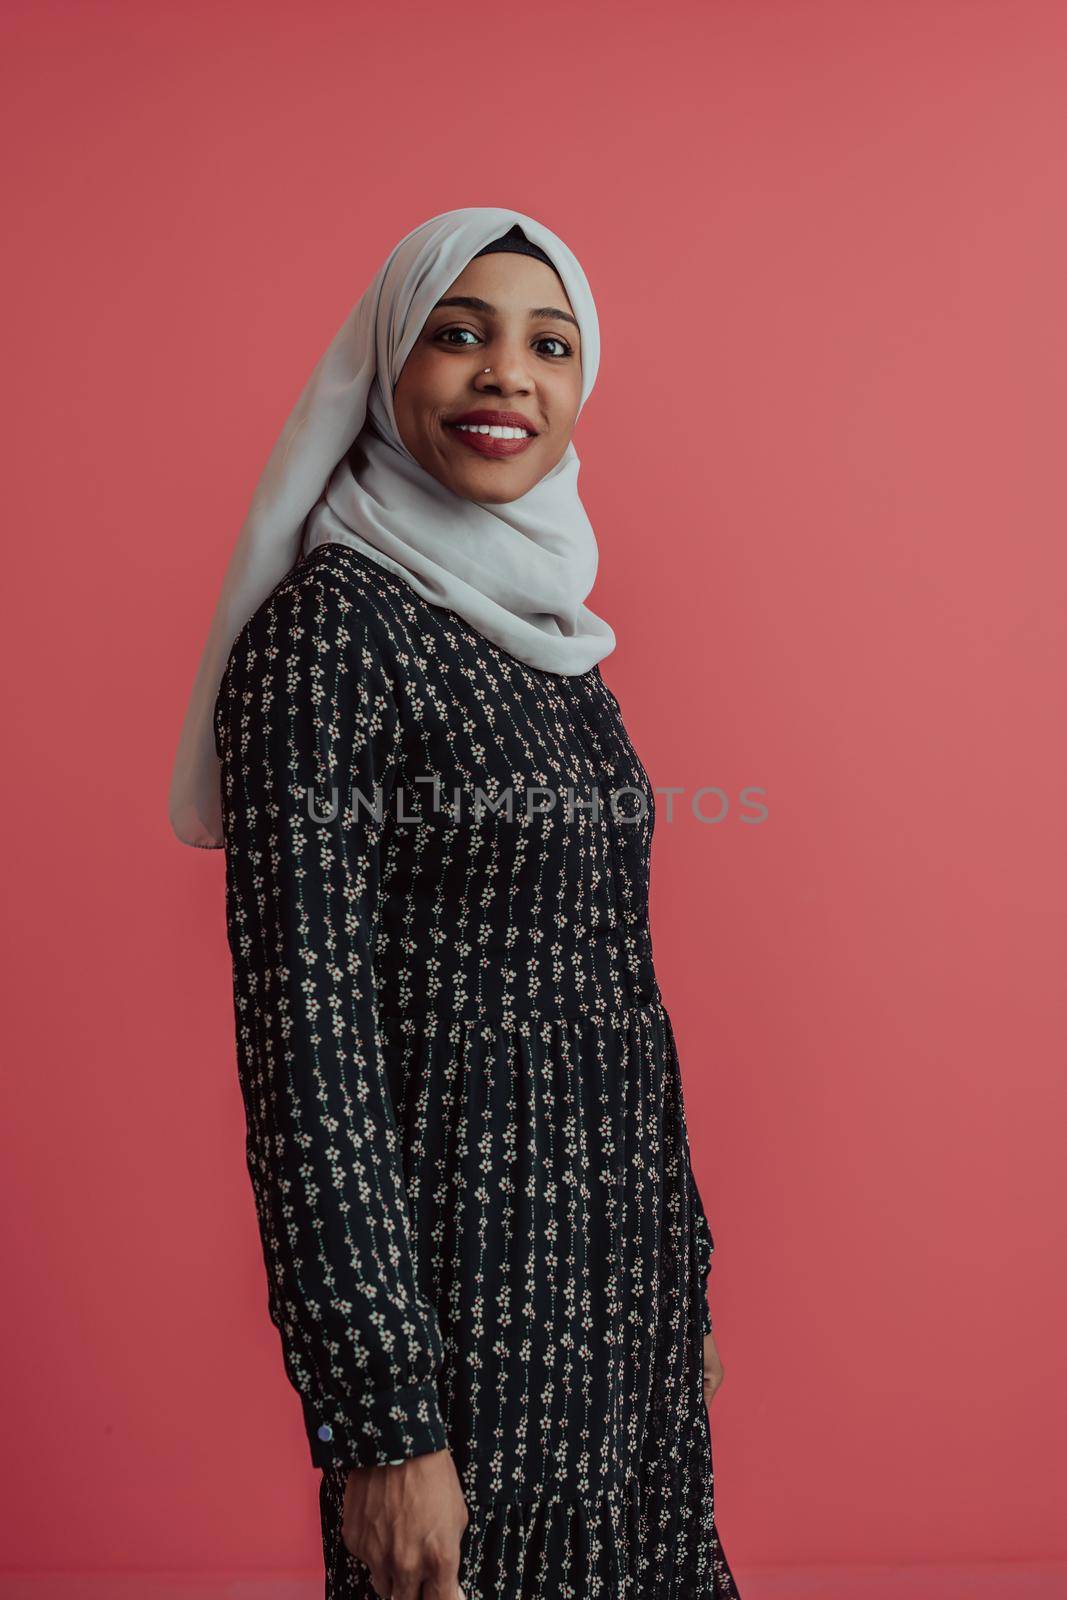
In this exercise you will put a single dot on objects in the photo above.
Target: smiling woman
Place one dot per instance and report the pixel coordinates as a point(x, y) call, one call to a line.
point(487, 1257)
point(533, 352)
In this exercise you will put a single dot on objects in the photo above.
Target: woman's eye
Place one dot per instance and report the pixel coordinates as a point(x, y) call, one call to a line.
point(452, 336)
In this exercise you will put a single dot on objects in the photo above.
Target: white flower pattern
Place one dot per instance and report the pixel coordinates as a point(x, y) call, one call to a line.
point(466, 1134)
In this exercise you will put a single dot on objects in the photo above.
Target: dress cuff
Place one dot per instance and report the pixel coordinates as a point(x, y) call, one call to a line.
point(386, 1428)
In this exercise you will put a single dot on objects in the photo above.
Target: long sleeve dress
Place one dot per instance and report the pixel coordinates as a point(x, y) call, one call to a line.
point(465, 1126)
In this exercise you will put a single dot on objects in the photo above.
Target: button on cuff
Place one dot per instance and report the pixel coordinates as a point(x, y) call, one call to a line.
point(386, 1427)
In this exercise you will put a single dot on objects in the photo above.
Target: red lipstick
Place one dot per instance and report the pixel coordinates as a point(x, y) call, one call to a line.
point(484, 443)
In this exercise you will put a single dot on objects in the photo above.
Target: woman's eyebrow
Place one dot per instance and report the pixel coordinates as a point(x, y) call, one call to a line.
point(471, 302)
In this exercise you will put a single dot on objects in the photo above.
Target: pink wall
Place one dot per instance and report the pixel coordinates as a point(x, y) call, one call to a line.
point(825, 464)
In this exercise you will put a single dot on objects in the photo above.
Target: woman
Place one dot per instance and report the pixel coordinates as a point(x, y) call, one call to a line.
point(487, 1257)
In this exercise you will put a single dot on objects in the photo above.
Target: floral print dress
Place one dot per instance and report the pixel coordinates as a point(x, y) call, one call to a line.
point(465, 1127)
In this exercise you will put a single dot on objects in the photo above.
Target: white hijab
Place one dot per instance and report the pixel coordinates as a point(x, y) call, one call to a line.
point(517, 573)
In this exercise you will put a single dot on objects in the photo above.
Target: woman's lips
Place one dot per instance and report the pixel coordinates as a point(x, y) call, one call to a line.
point(486, 445)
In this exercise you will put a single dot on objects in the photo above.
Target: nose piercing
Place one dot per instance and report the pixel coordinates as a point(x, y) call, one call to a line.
point(488, 369)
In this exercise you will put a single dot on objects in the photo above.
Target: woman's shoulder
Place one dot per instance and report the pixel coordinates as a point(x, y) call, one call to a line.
point(352, 579)
point(326, 606)
point(333, 586)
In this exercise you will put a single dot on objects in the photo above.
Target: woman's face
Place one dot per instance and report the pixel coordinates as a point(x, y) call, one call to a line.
point(515, 319)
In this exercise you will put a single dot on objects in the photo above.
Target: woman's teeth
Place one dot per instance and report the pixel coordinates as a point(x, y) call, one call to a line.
point(494, 433)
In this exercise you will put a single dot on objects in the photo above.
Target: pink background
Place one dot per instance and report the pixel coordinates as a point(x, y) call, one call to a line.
point(825, 462)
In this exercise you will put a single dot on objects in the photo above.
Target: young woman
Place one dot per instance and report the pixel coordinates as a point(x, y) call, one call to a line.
point(486, 1252)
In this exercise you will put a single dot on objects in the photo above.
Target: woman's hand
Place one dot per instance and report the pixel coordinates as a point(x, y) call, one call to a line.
point(712, 1368)
point(406, 1523)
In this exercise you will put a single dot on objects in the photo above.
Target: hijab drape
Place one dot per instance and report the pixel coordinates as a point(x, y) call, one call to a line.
point(339, 472)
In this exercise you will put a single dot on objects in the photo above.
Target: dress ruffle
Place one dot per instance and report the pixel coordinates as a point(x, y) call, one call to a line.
point(616, 1544)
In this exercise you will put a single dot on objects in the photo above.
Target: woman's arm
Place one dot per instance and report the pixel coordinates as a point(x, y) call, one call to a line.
point(305, 702)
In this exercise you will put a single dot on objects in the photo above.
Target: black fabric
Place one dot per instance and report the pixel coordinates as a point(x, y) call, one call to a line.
point(466, 1127)
point(517, 243)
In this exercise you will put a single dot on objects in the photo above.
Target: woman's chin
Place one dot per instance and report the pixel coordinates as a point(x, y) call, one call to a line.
point(489, 484)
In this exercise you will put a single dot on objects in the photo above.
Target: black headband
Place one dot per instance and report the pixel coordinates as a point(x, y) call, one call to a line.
point(517, 243)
